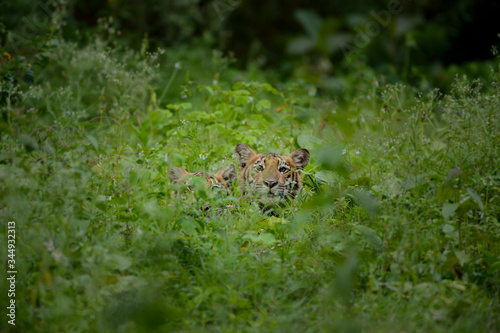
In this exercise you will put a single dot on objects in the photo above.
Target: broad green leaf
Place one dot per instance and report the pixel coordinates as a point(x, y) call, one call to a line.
point(325, 176)
point(308, 141)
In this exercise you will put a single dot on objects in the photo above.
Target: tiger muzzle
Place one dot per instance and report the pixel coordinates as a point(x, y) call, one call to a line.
point(270, 182)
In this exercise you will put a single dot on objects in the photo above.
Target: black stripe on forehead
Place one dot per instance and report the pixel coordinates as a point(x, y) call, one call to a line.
point(273, 155)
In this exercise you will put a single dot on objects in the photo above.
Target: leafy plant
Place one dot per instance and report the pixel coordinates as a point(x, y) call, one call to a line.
point(396, 227)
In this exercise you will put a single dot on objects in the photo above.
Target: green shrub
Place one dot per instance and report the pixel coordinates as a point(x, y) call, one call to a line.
point(396, 227)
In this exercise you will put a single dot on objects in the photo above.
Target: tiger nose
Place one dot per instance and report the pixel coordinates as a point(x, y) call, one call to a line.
point(271, 182)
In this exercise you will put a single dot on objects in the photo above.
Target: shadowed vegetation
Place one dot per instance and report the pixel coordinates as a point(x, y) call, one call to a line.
point(395, 229)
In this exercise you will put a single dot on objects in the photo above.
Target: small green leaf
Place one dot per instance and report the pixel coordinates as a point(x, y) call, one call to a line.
point(271, 221)
point(93, 141)
point(29, 76)
point(310, 21)
point(448, 210)
point(366, 200)
point(177, 159)
point(138, 176)
point(331, 158)
point(448, 228)
point(175, 107)
point(476, 198)
point(29, 143)
point(189, 227)
point(300, 45)
point(199, 116)
point(371, 237)
point(462, 257)
point(267, 239)
point(115, 261)
point(445, 192)
point(267, 87)
point(264, 239)
point(241, 100)
point(238, 85)
point(452, 174)
point(263, 104)
point(209, 89)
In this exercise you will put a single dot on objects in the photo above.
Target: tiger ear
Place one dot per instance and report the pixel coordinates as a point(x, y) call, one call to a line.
point(245, 153)
point(300, 157)
point(228, 173)
point(176, 174)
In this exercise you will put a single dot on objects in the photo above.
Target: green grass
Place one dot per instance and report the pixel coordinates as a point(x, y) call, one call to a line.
point(396, 228)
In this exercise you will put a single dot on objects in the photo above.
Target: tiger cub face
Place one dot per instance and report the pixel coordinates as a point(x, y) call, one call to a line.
point(222, 179)
point(269, 176)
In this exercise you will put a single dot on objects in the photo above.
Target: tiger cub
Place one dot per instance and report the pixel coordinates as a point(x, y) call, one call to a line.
point(222, 179)
point(269, 176)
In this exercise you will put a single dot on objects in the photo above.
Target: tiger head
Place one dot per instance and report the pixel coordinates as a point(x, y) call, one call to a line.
point(222, 179)
point(270, 176)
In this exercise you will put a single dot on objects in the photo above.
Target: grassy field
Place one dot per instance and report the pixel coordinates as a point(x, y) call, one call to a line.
point(396, 229)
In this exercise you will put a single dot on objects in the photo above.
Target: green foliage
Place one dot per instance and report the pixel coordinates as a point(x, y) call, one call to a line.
point(323, 41)
point(396, 228)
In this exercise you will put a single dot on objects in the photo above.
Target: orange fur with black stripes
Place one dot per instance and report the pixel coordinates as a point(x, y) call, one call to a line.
point(221, 179)
point(269, 176)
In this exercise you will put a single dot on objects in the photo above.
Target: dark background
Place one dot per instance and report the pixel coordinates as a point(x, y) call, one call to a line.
point(428, 41)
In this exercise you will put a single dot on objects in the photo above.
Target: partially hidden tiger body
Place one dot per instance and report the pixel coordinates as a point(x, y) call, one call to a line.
point(222, 179)
point(270, 177)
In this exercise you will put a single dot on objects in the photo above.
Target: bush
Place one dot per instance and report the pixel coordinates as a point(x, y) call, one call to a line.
point(396, 228)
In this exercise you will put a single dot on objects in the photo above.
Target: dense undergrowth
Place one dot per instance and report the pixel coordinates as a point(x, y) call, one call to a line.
point(396, 228)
